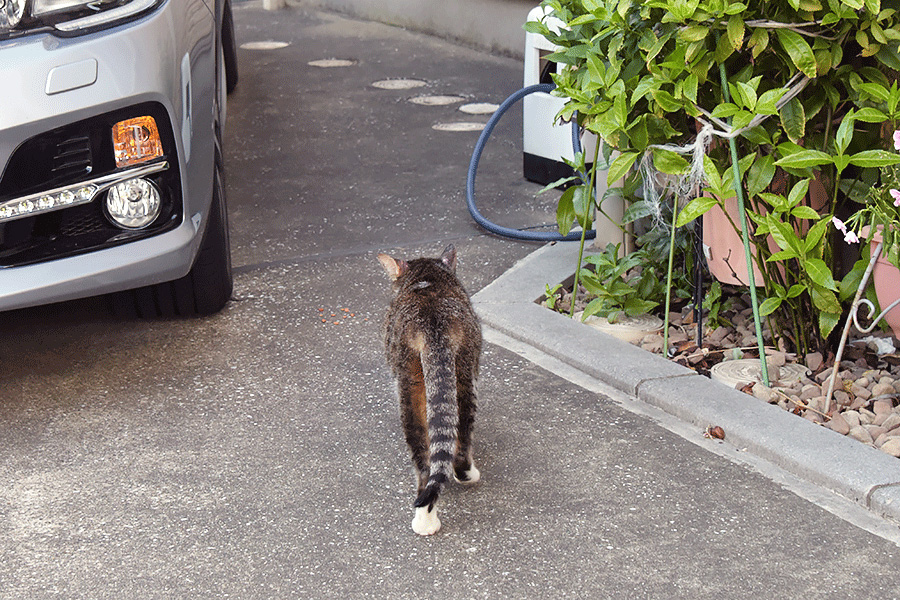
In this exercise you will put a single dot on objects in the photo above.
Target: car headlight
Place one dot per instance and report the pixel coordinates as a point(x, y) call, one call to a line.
point(69, 17)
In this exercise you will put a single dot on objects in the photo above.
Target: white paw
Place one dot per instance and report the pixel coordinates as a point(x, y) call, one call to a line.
point(426, 522)
point(472, 476)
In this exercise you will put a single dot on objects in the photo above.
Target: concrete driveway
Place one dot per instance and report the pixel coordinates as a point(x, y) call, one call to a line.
point(258, 454)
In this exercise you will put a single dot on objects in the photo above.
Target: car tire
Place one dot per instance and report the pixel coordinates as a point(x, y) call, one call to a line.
point(229, 48)
point(208, 285)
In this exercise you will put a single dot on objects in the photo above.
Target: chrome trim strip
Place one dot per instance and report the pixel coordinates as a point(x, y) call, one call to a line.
point(71, 195)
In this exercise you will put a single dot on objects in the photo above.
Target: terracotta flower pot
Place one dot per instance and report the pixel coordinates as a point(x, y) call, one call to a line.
point(886, 278)
point(724, 247)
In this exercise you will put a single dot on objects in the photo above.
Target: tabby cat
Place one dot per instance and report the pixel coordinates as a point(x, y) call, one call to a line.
point(433, 345)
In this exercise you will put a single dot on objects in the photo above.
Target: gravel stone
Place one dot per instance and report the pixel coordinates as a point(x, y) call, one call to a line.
point(861, 434)
point(892, 446)
point(839, 424)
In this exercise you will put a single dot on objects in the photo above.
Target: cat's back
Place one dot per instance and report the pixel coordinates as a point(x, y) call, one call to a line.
point(429, 296)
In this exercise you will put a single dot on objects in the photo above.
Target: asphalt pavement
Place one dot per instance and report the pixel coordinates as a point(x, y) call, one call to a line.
point(258, 453)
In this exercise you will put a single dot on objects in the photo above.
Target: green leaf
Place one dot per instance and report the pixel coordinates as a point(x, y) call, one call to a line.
point(768, 101)
point(565, 212)
point(874, 158)
point(725, 110)
point(735, 31)
point(804, 212)
point(760, 174)
point(669, 162)
point(694, 33)
point(796, 290)
point(620, 167)
point(769, 306)
point(695, 208)
point(819, 272)
point(825, 300)
point(844, 133)
point(666, 100)
point(798, 192)
point(827, 323)
point(875, 91)
point(582, 205)
point(798, 51)
point(638, 210)
point(793, 119)
point(871, 115)
point(803, 159)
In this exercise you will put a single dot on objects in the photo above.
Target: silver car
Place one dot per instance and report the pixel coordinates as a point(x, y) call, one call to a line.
point(111, 178)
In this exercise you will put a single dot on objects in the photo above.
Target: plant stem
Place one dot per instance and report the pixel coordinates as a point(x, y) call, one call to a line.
point(584, 227)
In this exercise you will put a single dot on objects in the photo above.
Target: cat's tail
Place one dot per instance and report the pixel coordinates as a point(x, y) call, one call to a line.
point(439, 370)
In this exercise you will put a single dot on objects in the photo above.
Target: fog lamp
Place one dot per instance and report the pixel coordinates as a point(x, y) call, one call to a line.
point(136, 141)
point(11, 12)
point(133, 204)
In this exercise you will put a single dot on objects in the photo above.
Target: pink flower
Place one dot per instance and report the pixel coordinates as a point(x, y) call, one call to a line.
point(851, 238)
point(895, 194)
point(897, 140)
point(839, 224)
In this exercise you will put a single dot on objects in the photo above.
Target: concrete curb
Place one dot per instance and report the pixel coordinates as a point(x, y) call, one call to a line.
point(811, 452)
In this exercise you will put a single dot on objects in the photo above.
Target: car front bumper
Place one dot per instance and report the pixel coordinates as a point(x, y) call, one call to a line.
point(166, 58)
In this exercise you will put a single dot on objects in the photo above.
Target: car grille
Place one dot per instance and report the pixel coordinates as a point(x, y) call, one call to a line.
point(72, 158)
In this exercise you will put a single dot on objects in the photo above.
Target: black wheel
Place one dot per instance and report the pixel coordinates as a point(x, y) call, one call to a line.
point(229, 48)
point(207, 286)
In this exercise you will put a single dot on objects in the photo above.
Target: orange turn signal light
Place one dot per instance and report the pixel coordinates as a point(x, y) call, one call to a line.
point(136, 141)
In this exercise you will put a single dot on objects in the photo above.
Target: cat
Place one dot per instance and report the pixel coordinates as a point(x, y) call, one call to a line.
point(433, 346)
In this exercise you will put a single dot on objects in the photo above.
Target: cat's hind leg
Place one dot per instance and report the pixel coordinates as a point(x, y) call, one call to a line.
point(463, 465)
point(411, 389)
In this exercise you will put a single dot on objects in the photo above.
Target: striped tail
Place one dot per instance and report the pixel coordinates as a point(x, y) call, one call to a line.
point(439, 370)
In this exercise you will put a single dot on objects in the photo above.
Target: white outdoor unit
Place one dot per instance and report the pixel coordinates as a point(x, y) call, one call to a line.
point(546, 142)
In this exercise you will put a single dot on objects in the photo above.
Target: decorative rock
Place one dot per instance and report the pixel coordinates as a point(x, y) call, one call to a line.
point(859, 433)
point(863, 382)
point(891, 422)
point(875, 431)
point(892, 446)
point(857, 403)
point(718, 334)
point(842, 398)
point(860, 391)
point(776, 359)
point(839, 425)
point(810, 391)
point(882, 407)
point(814, 361)
point(818, 403)
point(813, 416)
point(866, 416)
point(882, 389)
point(764, 393)
point(852, 418)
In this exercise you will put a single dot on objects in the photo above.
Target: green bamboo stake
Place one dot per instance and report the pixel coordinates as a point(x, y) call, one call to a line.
point(745, 237)
point(669, 277)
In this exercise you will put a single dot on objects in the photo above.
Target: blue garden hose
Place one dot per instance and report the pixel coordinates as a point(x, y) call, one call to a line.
point(517, 234)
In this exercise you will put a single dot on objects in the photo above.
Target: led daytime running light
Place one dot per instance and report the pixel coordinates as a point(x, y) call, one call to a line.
point(73, 195)
point(107, 16)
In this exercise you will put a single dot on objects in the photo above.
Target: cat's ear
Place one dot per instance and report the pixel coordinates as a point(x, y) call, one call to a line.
point(394, 268)
point(448, 257)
